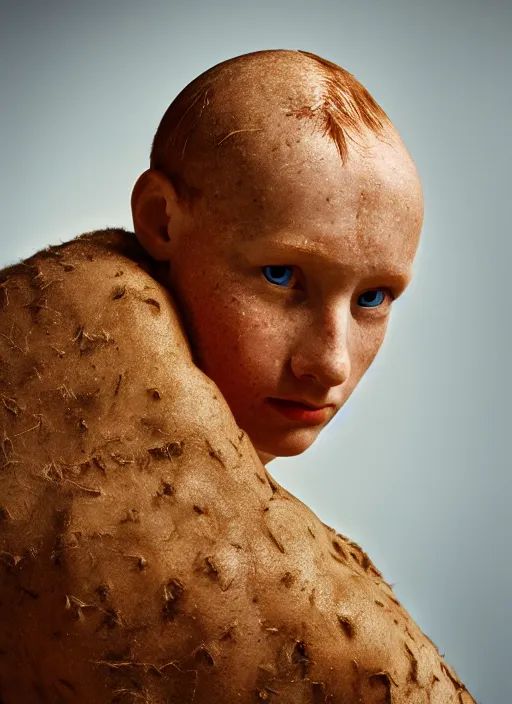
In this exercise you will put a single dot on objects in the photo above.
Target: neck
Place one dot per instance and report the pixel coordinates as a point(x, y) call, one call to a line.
point(265, 458)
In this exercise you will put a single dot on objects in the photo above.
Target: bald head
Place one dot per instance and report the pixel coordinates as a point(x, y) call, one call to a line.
point(263, 102)
point(270, 163)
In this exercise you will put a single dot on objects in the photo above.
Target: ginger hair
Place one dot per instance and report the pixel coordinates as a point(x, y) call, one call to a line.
point(342, 107)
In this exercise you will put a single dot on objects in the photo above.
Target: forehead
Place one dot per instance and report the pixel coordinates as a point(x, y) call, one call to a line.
point(297, 191)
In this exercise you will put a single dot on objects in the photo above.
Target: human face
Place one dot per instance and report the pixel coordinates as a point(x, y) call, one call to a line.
point(287, 280)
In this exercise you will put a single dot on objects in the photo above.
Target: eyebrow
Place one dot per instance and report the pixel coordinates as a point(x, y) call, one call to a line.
point(253, 249)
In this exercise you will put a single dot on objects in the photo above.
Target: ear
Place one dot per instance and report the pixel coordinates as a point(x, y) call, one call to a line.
point(158, 217)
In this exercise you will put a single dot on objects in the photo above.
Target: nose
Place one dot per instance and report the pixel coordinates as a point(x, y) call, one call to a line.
point(323, 349)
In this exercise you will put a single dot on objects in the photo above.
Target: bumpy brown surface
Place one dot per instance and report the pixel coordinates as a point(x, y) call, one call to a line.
point(146, 555)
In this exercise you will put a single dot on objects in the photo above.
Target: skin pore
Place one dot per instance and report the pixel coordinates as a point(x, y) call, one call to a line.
point(285, 268)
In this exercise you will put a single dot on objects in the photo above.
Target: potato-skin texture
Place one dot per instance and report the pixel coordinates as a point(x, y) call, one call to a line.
point(146, 554)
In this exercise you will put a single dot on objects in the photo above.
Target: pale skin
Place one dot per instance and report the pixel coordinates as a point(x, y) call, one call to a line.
point(346, 234)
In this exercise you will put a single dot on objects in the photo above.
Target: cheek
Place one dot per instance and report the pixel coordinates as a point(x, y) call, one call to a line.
point(369, 342)
point(366, 341)
point(237, 346)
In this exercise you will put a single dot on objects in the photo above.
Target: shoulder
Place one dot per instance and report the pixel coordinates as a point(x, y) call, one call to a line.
point(98, 276)
point(113, 251)
point(92, 354)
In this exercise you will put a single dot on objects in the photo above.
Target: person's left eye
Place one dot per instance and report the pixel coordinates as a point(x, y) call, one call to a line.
point(372, 299)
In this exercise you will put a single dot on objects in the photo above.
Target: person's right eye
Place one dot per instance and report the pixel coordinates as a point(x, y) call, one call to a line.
point(278, 275)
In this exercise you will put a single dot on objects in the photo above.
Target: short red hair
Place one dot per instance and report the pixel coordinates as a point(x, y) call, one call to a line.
point(344, 106)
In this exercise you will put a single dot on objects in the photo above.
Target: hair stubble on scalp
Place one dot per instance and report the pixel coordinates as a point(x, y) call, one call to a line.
point(341, 107)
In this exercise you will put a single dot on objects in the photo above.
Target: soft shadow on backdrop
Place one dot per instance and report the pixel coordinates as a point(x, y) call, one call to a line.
point(416, 467)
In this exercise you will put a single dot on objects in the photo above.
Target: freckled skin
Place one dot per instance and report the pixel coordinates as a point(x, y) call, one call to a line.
point(145, 552)
point(311, 341)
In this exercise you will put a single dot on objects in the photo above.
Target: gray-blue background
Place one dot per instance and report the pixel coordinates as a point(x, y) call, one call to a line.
point(417, 466)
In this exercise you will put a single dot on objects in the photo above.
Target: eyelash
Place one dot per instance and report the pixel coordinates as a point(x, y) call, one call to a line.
point(277, 266)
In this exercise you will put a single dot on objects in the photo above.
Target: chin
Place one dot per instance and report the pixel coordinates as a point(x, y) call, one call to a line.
point(287, 445)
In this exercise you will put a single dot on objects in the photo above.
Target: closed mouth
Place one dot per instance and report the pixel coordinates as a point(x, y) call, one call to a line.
point(297, 403)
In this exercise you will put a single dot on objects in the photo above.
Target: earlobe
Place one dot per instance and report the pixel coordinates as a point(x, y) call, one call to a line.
point(154, 210)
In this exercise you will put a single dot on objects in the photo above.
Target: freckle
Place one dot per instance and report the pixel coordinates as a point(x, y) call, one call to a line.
point(328, 199)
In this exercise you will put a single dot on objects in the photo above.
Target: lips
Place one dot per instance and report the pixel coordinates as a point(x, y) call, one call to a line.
point(299, 412)
point(304, 404)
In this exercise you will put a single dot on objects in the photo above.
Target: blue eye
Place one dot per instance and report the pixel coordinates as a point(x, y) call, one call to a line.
point(373, 299)
point(278, 275)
